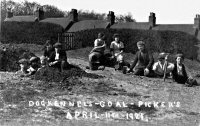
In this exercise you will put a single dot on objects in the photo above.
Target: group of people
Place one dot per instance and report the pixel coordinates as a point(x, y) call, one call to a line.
point(143, 64)
point(53, 56)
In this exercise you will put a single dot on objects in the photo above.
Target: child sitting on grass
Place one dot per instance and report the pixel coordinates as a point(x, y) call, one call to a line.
point(34, 65)
point(23, 63)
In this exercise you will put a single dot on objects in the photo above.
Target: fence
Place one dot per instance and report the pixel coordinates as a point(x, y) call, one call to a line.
point(68, 41)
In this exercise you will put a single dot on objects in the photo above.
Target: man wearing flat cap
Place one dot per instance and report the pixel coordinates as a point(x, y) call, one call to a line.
point(58, 58)
point(179, 73)
point(143, 61)
point(160, 66)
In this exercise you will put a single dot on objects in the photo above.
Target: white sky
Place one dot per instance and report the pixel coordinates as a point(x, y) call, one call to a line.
point(167, 11)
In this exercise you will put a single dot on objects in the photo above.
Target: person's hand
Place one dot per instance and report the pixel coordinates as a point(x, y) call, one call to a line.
point(146, 71)
point(112, 57)
point(51, 63)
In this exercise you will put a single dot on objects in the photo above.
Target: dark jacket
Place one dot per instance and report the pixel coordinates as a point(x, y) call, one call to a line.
point(62, 56)
point(48, 53)
point(179, 78)
point(145, 61)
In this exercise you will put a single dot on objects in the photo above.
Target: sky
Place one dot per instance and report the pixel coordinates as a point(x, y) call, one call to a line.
point(167, 11)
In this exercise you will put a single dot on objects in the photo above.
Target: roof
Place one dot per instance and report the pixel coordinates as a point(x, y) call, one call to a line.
point(22, 19)
point(188, 28)
point(131, 25)
point(64, 22)
point(88, 24)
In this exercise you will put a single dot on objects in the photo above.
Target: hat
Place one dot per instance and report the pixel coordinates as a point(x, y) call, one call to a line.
point(34, 59)
point(23, 61)
point(140, 43)
point(42, 58)
point(115, 35)
point(57, 45)
point(161, 56)
point(180, 55)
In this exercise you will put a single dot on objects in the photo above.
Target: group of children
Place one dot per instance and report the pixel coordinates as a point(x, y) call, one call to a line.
point(53, 56)
point(143, 64)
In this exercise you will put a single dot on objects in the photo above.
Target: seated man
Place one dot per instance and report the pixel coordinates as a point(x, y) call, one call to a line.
point(143, 61)
point(161, 66)
point(96, 56)
point(179, 73)
point(58, 57)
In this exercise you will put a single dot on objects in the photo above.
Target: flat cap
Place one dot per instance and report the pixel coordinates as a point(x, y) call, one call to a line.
point(23, 61)
point(57, 45)
point(180, 55)
point(34, 59)
point(115, 35)
point(140, 43)
point(161, 56)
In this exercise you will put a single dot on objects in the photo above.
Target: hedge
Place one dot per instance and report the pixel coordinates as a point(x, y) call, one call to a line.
point(156, 41)
point(29, 32)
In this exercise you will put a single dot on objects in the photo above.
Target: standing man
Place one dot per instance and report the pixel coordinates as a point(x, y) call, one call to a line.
point(143, 61)
point(58, 58)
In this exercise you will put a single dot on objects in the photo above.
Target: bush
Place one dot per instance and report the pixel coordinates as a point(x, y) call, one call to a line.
point(156, 41)
point(29, 32)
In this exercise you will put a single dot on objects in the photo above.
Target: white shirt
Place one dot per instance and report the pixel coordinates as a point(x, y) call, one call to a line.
point(57, 56)
point(159, 68)
point(116, 47)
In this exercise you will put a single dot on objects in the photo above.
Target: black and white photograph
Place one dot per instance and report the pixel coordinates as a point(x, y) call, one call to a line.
point(100, 63)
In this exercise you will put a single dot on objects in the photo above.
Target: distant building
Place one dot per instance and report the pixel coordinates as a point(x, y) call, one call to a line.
point(72, 23)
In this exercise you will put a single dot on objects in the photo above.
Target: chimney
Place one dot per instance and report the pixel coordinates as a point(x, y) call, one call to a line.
point(197, 22)
point(152, 19)
point(74, 15)
point(111, 17)
point(9, 13)
point(39, 13)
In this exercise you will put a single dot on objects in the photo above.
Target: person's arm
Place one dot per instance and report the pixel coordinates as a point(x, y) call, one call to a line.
point(186, 72)
point(52, 60)
point(63, 55)
point(151, 61)
point(96, 47)
point(134, 62)
point(112, 49)
point(45, 53)
point(155, 66)
point(122, 48)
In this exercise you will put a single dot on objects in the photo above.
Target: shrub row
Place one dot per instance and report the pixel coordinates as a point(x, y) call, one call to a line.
point(29, 32)
point(156, 41)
